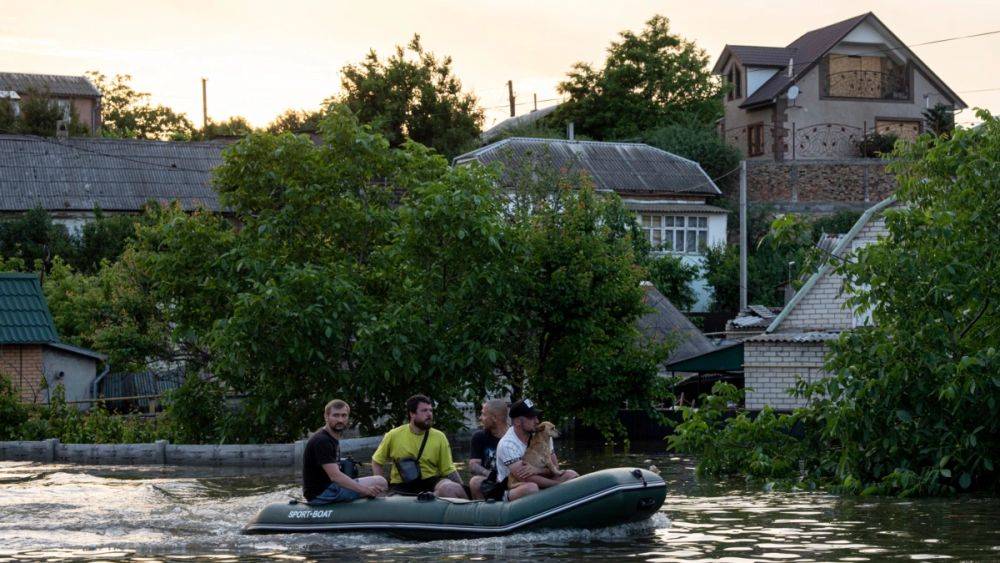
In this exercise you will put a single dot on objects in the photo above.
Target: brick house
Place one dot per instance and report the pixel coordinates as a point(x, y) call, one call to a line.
point(74, 94)
point(795, 343)
point(669, 194)
point(818, 96)
point(69, 178)
point(31, 354)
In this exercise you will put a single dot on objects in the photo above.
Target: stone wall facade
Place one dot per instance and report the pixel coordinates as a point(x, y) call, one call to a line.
point(820, 186)
point(24, 364)
point(771, 369)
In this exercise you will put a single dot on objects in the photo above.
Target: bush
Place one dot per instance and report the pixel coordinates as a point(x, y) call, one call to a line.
point(673, 278)
point(194, 411)
point(874, 145)
point(13, 413)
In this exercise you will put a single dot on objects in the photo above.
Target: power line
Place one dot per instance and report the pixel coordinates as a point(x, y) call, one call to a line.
point(524, 103)
point(119, 157)
point(974, 91)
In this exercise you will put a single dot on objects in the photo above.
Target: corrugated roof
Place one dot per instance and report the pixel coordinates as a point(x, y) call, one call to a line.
point(675, 208)
point(523, 120)
point(78, 174)
point(53, 84)
point(24, 314)
point(619, 167)
point(665, 322)
point(814, 336)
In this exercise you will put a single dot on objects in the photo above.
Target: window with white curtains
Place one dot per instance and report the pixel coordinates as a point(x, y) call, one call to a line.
point(680, 234)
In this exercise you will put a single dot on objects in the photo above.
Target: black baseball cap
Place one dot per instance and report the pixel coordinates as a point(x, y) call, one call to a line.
point(524, 407)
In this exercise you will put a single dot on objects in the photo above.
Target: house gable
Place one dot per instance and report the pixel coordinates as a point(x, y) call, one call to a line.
point(820, 304)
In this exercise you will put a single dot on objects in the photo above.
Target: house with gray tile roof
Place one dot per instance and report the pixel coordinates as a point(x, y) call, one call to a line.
point(71, 177)
point(819, 95)
point(73, 93)
point(795, 342)
point(668, 193)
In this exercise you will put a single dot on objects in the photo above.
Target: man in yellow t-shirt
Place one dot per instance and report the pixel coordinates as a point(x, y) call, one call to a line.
point(437, 470)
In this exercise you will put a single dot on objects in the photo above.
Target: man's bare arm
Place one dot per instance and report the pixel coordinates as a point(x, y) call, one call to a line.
point(476, 467)
point(454, 476)
point(337, 476)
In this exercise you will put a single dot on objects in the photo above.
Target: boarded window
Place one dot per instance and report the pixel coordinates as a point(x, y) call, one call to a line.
point(902, 128)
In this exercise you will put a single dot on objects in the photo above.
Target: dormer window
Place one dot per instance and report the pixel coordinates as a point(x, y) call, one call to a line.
point(869, 77)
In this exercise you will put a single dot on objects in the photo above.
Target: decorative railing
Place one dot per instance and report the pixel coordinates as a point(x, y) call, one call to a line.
point(868, 84)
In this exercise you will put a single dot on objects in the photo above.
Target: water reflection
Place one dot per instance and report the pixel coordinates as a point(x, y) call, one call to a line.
point(178, 514)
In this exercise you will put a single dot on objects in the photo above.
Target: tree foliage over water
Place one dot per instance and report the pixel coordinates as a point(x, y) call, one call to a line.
point(358, 270)
point(913, 403)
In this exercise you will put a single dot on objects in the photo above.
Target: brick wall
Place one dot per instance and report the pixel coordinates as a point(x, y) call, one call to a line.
point(818, 185)
point(824, 308)
point(24, 365)
point(771, 369)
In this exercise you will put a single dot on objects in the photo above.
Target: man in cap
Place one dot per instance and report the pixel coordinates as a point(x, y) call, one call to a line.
point(524, 417)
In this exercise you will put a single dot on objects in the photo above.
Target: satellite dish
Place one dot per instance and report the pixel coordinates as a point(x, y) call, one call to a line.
point(793, 92)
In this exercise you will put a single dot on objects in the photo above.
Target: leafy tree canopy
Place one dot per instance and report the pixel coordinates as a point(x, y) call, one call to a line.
point(130, 114)
point(413, 95)
point(913, 403)
point(296, 121)
point(650, 79)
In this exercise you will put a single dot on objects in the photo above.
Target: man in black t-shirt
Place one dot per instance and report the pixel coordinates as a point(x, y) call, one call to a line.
point(482, 460)
point(322, 480)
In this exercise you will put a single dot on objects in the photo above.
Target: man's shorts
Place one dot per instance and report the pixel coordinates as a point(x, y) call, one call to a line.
point(335, 493)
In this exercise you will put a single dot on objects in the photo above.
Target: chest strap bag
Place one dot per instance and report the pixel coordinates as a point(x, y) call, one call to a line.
point(409, 467)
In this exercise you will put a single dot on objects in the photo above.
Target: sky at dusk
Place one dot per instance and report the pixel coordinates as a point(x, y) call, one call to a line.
point(263, 57)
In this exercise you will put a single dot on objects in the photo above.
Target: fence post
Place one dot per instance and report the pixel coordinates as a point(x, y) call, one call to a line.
point(51, 445)
point(793, 140)
point(161, 452)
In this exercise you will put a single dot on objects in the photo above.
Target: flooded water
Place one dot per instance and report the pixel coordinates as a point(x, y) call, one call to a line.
point(163, 514)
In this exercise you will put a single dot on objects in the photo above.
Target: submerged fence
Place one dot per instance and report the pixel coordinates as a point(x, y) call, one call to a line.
point(162, 452)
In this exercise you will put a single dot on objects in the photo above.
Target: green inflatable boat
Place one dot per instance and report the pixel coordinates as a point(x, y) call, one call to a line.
point(603, 498)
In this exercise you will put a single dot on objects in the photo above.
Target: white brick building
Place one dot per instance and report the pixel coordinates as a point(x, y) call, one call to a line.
point(795, 343)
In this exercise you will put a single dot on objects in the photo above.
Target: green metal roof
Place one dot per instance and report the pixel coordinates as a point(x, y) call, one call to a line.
point(726, 358)
point(24, 314)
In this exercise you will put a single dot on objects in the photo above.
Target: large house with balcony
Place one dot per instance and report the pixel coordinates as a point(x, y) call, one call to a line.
point(669, 194)
point(817, 97)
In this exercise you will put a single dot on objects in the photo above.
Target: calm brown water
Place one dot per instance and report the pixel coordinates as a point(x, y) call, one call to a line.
point(141, 514)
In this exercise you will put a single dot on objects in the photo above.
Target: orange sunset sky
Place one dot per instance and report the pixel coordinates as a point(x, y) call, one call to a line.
point(262, 57)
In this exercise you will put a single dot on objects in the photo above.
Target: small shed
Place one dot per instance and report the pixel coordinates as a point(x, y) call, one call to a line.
point(31, 354)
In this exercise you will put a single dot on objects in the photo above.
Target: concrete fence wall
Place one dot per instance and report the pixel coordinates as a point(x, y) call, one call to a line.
point(164, 453)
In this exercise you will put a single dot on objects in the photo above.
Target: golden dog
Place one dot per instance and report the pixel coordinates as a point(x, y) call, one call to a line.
point(539, 452)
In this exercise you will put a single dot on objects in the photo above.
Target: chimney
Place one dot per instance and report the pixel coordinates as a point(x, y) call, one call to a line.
point(569, 130)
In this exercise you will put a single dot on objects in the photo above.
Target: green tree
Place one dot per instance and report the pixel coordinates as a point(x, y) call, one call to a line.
point(236, 126)
point(911, 407)
point(296, 121)
point(940, 119)
point(700, 144)
point(673, 278)
point(649, 80)
point(923, 377)
point(413, 95)
point(34, 238)
point(127, 113)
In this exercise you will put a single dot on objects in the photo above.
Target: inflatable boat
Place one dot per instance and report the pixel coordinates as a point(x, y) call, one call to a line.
point(603, 498)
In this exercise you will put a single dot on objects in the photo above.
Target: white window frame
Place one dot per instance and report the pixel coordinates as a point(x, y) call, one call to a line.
point(689, 231)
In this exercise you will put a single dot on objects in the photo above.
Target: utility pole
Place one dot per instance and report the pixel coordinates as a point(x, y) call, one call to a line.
point(204, 103)
point(535, 95)
point(743, 235)
point(510, 96)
